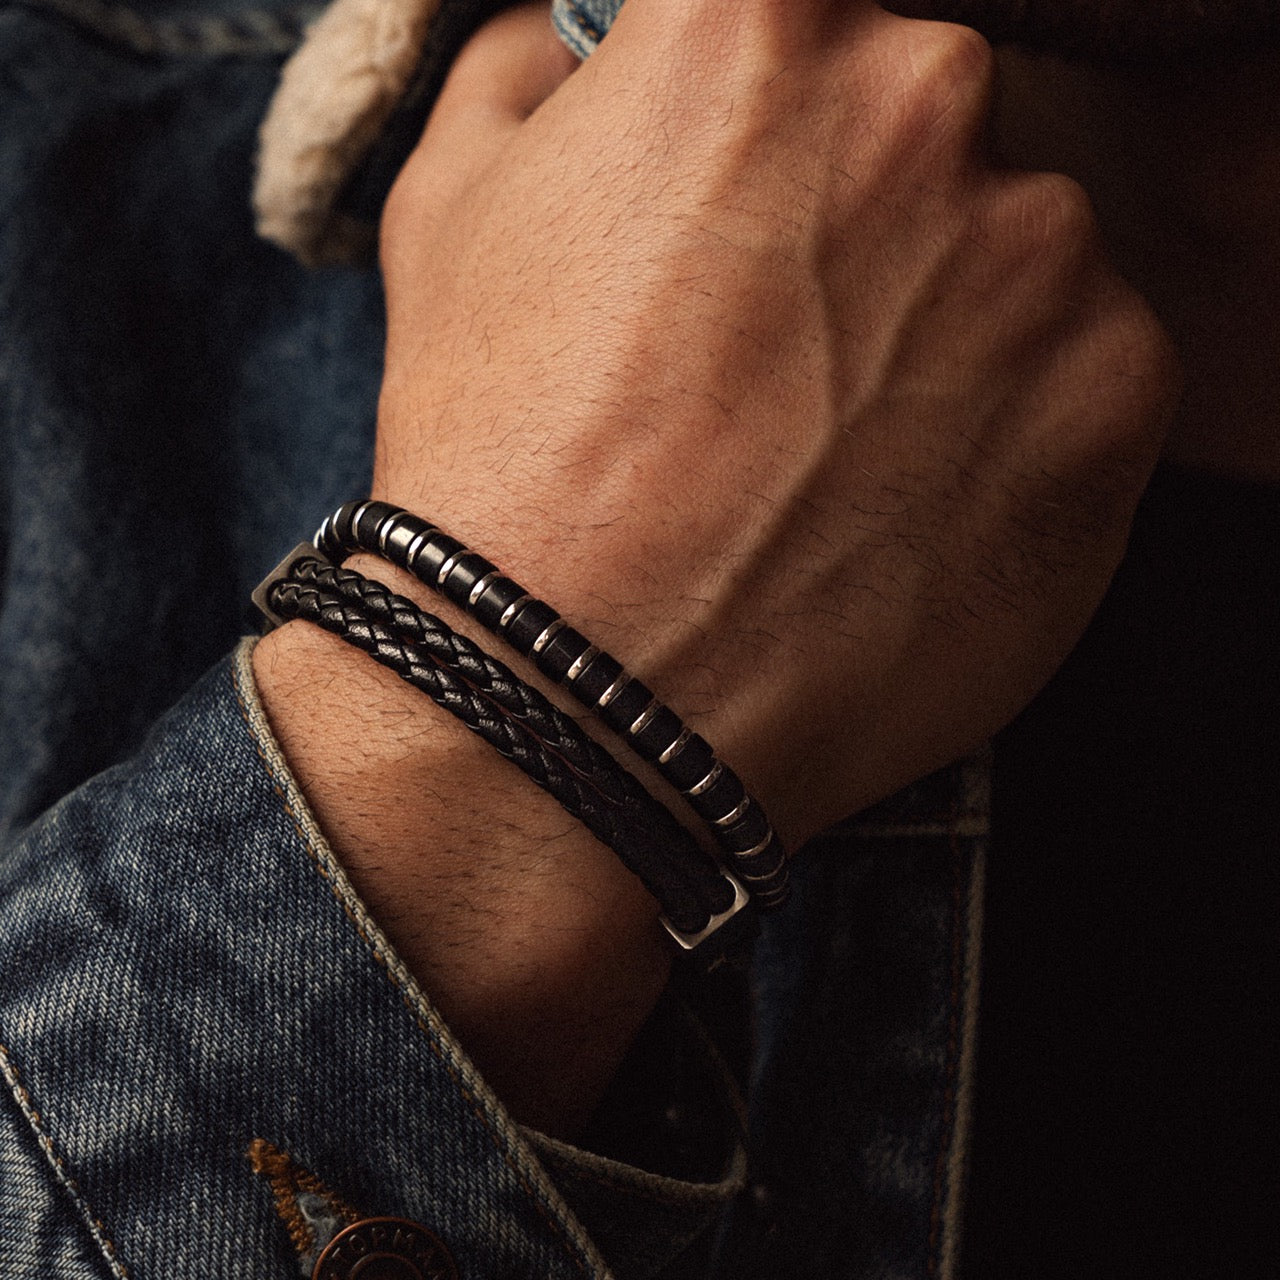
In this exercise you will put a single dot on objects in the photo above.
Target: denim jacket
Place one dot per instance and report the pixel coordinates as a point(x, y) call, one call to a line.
point(213, 1060)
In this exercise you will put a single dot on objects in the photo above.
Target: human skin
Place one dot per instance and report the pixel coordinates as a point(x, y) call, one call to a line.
point(1183, 167)
point(827, 428)
point(1168, 113)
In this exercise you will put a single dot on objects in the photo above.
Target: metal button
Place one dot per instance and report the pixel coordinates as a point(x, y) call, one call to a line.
point(385, 1249)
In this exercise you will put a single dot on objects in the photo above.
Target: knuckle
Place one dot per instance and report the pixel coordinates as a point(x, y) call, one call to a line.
point(1053, 208)
point(1125, 382)
point(397, 214)
point(1144, 373)
point(483, 46)
point(952, 70)
point(1045, 218)
point(1059, 208)
point(935, 83)
point(958, 58)
point(405, 223)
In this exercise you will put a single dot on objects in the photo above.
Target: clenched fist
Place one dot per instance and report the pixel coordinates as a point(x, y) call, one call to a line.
point(732, 346)
point(729, 345)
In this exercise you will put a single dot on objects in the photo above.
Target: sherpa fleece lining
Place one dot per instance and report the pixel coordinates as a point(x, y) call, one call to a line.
point(336, 94)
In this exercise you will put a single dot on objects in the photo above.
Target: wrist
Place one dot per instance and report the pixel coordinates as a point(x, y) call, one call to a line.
point(542, 951)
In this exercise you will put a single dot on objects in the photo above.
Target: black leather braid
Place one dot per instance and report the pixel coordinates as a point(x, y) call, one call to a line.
point(735, 820)
point(623, 816)
point(521, 701)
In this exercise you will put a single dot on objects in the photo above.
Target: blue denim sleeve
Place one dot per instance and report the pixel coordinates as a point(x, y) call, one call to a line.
point(199, 1019)
point(211, 1058)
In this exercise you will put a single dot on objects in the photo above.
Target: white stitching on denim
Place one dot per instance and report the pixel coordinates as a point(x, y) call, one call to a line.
point(252, 32)
point(485, 1106)
point(96, 1229)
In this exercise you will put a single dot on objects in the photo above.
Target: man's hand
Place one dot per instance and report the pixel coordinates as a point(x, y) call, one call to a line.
point(730, 346)
point(737, 352)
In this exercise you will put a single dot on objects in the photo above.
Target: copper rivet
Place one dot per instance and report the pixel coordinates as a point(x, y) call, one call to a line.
point(385, 1249)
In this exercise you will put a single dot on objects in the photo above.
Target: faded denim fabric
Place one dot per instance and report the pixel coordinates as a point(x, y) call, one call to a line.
point(183, 969)
point(186, 971)
point(582, 23)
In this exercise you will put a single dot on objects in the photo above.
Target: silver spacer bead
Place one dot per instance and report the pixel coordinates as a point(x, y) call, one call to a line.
point(415, 549)
point(613, 690)
point(482, 586)
point(447, 568)
point(676, 747)
point(581, 662)
point(730, 818)
point(757, 849)
point(644, 717)
point(358, 512)
point(385, 530)
point(709, 781)
point(548, 634)
point(511, 610)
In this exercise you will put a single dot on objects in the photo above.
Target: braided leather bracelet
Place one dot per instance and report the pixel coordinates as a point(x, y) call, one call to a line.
point(697, 897)
point(597, 680)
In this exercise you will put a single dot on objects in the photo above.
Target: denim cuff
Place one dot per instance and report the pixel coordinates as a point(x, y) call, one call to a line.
point(664, 1157)
point(215, 1057)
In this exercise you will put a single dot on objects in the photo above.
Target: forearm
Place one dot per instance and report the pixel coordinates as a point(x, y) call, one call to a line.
point(542, 951)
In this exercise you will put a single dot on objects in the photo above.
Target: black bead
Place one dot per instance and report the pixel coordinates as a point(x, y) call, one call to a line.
point(690, 764)
point(746, 833)
point(773, 897)
point(565, 648)
point(620, 713)
point(657, 735)
point(433, 553)
point(721, 798)
point(340, 526)
point(495, 600)
point(467, 570)
point(595, 678)
point(529, 624)
point(400, 538)
point(771, 859)
point(365, 529)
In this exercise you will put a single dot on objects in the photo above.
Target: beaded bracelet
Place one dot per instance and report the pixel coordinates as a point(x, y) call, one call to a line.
point(697, 896)
point(752, 849)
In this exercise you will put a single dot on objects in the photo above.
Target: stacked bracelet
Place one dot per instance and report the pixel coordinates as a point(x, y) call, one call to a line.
point(738, 825)
point(697, 896)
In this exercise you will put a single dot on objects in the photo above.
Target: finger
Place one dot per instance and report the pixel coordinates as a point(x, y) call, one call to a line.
point(504, 73)
point(779, 25)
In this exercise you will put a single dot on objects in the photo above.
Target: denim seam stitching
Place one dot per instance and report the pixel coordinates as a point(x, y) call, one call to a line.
point(428, 1032)
point(96, 1228)
point(256, 32)
point(286, 1179)
point(711, 1199)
